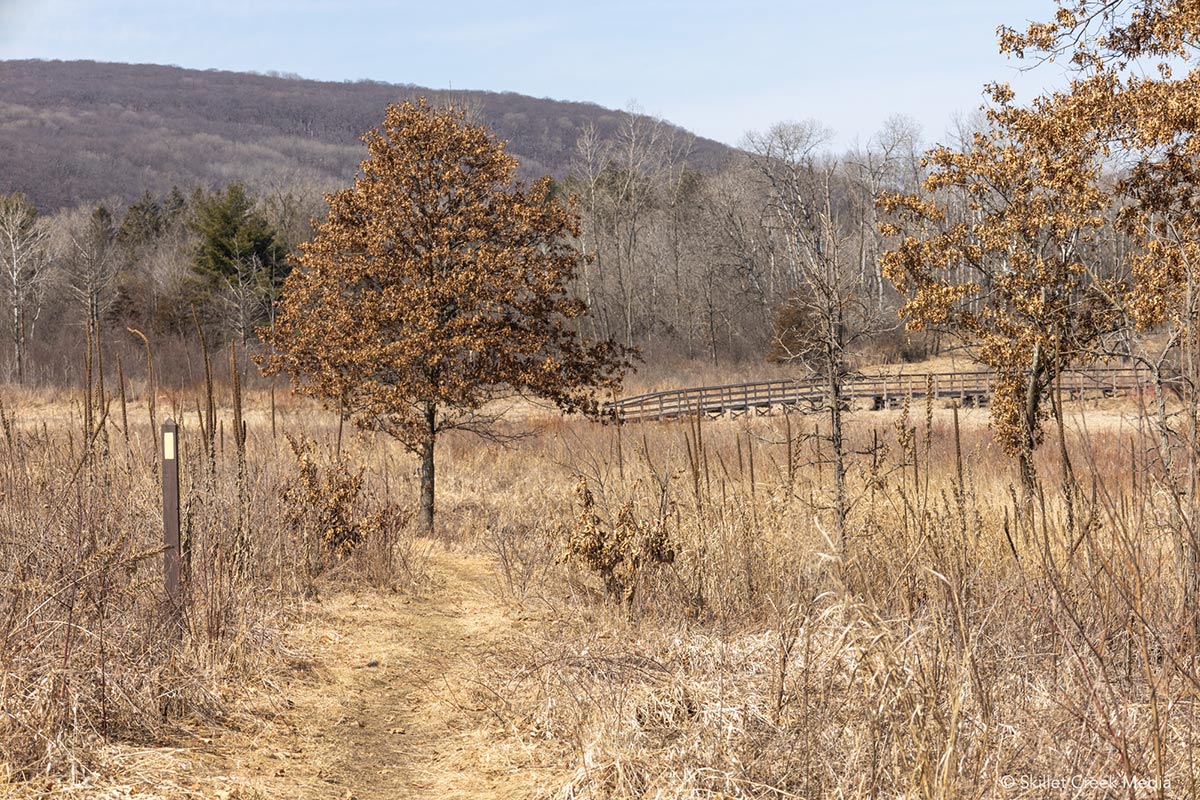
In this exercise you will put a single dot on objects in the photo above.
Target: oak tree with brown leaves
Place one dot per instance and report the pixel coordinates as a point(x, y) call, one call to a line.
point(435, 286)
point(1001, 244)
point(1136, 85)
point(998, 246)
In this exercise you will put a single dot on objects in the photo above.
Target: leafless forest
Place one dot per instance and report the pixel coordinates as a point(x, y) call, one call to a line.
point(686, 262)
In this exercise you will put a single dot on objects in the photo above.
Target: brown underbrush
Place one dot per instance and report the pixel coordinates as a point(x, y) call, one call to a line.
point(92, 651)
point(699, 628)
point(713, 638)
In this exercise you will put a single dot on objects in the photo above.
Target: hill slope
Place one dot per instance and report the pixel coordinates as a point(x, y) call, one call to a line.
point(78, 131)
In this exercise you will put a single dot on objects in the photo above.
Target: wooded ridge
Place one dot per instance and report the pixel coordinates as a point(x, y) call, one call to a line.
point(78, 132)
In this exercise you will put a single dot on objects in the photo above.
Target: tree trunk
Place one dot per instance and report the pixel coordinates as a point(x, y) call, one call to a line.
point(1033, 397)
point(18, 333)
point(837, 439)
point(427, 473)
point(837, 445)
point(712, 330)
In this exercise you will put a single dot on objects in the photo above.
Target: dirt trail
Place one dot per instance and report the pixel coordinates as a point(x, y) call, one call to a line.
point(391, 706)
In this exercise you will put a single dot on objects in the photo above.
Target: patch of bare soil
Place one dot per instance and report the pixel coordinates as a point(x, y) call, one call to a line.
point(389, 706)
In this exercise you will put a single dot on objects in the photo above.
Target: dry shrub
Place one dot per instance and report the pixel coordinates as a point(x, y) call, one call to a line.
point(965, 637)
point(90, 654)
point(322, 505)
point(618, 551)
point(525, 558)
point(337, 523)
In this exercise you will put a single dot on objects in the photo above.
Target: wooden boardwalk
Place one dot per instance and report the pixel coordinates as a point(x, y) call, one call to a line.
point(969, 389)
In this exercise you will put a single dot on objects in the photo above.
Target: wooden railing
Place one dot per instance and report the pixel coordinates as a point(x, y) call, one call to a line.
point(881, 391)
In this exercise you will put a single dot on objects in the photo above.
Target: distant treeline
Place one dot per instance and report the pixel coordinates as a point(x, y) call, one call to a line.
point(80, 132)
point(201, 185)
point(683, 263)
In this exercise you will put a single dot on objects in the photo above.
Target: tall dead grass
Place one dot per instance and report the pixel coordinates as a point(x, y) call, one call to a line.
point(90, 652)
point(700, 632)
point(967, 644)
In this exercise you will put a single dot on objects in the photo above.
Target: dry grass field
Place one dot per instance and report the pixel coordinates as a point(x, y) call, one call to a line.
point(607, 612)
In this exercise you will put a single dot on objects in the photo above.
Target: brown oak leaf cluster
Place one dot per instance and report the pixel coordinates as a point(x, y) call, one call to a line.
point(436, 285)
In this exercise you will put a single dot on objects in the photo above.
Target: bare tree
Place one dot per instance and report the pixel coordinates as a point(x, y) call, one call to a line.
point(735, 277)
point(623, 181)
point(84, 244)
point(247, 296)
point(591, 158)
point(890, 160)
point(156, 250)
point(25, 264)
point(828, 309)
point(673, 245)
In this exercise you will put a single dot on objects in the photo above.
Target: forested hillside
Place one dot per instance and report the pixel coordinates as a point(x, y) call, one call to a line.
point(165, 200)
point(78, 132)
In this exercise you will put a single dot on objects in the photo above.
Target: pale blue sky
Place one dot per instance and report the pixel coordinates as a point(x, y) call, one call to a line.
point(717, 68)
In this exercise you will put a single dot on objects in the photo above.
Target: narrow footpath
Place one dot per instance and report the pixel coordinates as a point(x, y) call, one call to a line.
point(391, 706)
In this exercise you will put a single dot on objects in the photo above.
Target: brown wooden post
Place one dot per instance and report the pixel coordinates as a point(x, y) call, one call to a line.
point(170, 486)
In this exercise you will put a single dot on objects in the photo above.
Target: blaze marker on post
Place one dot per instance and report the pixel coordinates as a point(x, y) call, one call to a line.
point(170, 482)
